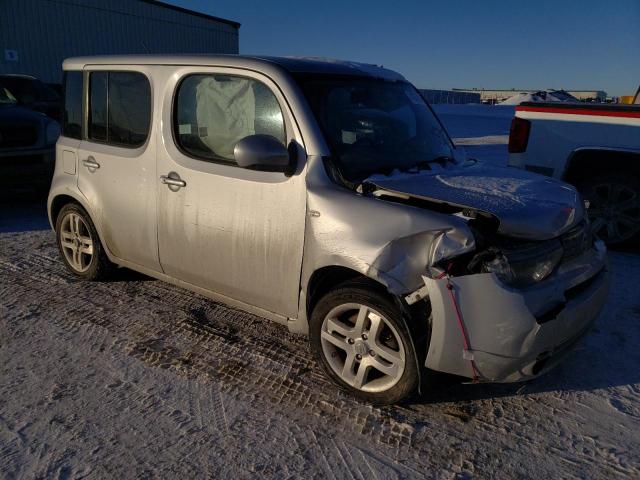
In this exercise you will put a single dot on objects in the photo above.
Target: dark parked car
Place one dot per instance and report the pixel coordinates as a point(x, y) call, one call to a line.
point(33, 93)
point(27, 145)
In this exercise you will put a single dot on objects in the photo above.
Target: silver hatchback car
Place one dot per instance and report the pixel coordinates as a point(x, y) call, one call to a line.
point(328, 197)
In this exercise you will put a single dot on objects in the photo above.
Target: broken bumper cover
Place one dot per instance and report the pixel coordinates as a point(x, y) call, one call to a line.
point(515, 335)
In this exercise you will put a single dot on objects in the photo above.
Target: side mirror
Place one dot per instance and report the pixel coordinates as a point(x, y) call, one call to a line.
point(262, 152)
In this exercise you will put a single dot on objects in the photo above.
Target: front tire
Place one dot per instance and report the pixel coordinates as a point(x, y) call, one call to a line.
point(79, 244)
point(360, 338)
point(614, 208)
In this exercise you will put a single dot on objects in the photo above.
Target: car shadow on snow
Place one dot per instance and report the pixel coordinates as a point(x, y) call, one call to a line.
point(121, 274)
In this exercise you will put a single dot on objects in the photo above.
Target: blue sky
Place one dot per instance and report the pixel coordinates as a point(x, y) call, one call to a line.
point(589, 44)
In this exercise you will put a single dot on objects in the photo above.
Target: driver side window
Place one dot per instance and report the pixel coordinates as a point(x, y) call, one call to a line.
point(212, 112)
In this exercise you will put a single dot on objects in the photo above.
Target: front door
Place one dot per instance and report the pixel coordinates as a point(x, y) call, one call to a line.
point(233, 231)
point(117, 163)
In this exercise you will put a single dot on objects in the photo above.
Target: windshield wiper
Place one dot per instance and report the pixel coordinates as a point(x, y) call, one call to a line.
point(388, 170)
point(426, 164)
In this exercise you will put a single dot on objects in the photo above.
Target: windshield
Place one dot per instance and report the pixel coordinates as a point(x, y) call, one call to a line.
point(5, 96)
point(375, 126)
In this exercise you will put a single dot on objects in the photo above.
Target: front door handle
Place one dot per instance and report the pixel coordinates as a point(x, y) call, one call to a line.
point(91, 164)
point(173, 181)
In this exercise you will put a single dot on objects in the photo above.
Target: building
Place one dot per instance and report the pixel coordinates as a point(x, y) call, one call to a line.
point(37, 35)
point(449, 96)
point(495, 96)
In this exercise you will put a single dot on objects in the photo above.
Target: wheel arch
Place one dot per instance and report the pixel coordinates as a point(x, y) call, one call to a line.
point(596, 166)
point(324, 279)
point(57, 202)
point(585, 162)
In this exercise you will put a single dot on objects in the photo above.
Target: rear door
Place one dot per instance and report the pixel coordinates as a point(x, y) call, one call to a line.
point(117, 161)
point(230, 230)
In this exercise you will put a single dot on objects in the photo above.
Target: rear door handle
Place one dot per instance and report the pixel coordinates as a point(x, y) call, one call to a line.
point(173, 180)
point(91, 164)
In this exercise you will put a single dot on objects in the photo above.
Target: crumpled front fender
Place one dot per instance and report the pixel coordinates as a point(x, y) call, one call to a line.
point(403, 261)
point(389, 242)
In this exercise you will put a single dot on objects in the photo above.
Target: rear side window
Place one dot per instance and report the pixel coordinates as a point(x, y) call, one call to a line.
point(98, 106)
point(119, 108)
point(213, 112)
point(72, 112)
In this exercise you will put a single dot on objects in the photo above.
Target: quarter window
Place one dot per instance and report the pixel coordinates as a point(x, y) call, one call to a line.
point(98, 106)
point(119, 108)
point(213, 112)
point(72, 112)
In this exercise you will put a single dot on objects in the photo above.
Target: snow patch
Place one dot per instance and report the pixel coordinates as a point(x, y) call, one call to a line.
point(540, 96)
point(498, 188)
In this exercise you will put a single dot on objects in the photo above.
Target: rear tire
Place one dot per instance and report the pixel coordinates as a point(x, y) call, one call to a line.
point(79, 244)
point(614, 208)
point(359, 336)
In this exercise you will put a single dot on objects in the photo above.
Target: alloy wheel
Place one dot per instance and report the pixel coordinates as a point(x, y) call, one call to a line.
point(362, 347)
point(615, 212)
point(76, 242)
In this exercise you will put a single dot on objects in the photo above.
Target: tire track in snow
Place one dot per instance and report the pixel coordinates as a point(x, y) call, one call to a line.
point(207, 337)
point(250, 359)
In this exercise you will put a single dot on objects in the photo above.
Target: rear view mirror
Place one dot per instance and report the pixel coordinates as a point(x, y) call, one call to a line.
point(262, 152)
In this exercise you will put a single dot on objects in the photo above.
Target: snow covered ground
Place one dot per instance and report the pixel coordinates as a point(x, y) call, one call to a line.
point(134, 378)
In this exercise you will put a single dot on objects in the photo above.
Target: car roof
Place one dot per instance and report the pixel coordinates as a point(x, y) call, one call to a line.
point(311, 65)
point(17, 75)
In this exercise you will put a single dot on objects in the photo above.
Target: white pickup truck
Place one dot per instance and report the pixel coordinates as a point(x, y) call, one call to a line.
point(594, 147)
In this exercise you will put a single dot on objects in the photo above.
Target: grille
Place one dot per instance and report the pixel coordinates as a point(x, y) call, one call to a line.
point(576, 241)
point(18, 136)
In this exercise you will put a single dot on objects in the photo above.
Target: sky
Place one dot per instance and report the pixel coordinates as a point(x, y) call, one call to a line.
point(575, 45)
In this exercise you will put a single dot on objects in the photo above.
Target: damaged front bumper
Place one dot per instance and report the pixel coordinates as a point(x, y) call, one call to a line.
point(513, 334)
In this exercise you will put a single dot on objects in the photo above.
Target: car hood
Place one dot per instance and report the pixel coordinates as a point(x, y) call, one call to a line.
point(526, 205)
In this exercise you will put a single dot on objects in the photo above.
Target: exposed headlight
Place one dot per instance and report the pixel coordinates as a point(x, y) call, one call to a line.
point(525, 265)
point(52, 132)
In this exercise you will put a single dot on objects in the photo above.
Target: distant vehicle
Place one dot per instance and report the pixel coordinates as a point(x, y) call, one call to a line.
point(326, 196)
point(562, 95)
point(540, 96)
point(595, 147)
point(34, 94)
point(27, 145)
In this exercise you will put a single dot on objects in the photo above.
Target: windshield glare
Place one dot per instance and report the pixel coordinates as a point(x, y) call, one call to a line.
point(375, 126)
